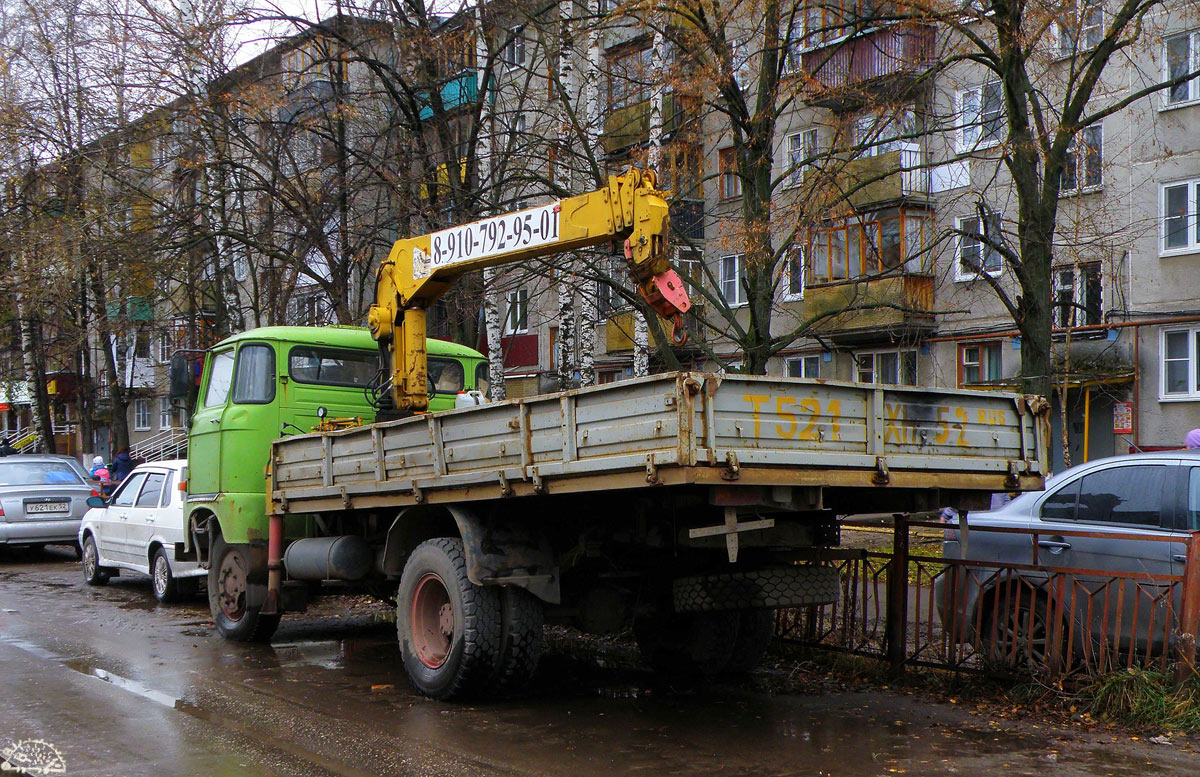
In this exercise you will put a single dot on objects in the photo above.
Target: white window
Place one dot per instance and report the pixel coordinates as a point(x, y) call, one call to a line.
point(167, 414)
point(516, 317)
point(897, 368)
point(976, 253)
point(141, 415)
point(1180, 227)
point(513, 54)
point(794, 270)
point(1083, 167)
point(1180, 364)
point(1083, 30)
point(876, 134)
point(689, 263)
point(732, 276)
point(166, 347)
point(978, 363)
point(1181, 56)
point(981, 116)
point(801, 151)
point(804, 367)
point(1077, 296)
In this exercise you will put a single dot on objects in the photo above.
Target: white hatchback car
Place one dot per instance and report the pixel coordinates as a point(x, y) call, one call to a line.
point(137, 528)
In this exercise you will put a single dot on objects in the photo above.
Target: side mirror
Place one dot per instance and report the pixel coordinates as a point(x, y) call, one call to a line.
point(180, 377)
point(96, 501)
point(322, 411)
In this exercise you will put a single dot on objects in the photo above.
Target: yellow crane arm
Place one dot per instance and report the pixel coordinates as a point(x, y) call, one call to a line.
point(421, 269)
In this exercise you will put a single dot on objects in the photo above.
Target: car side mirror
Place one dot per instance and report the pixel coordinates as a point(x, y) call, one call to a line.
point(96, 501)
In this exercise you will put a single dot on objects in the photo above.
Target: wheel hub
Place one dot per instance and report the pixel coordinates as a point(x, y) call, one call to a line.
point(231, 586)
point(89, 559)
point(160, 573)
point(432, 620)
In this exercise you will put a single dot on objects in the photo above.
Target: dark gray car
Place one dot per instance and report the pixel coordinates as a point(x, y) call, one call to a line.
point(1152, 495)
point(42, 498)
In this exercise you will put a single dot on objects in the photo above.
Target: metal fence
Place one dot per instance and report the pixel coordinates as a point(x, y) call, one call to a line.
point(914, 609)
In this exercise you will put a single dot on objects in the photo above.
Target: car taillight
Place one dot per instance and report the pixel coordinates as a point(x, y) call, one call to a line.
point(1, 511)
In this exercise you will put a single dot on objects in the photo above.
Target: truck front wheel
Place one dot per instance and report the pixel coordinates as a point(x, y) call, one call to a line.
point(229, 575)
point(450, 630)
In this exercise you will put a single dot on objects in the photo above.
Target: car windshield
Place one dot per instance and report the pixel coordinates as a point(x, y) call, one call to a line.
point(37, 473)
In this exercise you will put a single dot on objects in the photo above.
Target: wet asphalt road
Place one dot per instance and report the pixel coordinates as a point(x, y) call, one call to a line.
point(120, 685)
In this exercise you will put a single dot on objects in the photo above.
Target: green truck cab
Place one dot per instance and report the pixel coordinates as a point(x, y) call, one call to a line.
point(268, 383)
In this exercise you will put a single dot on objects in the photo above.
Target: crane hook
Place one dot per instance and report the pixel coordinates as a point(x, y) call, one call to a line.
point(678, 334)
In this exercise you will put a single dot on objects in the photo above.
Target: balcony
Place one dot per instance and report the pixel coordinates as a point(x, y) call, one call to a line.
point(885, 178)
point(687, 218)
point(630, 126)
point(873, 308)
point(849, 71)
point(306, 100)
point(459, 90)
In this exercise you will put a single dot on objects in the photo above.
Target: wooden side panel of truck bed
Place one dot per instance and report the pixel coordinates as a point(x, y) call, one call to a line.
point(669, 429)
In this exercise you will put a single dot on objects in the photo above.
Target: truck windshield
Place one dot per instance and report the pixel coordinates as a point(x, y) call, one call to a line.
point(219, 379)
point(331, 367)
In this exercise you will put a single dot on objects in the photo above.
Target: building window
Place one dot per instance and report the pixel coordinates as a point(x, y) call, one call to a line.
point(612, 274)
point(689, 263)
point(868, 244)
point(733, 275)
point(513, 54)
point(976, 252)
point(1077, 296)
point(1084, 28)
point(978, 363)
point(516, 316)
point(877, 134)
point(1180, 227)
point(801, 151)
point(166, 347)
point(896, 368)
point(731, 182)
point(629, 78)
point(804, 367)
point(1180, 364)
point(1182, 56)
point(168, 416)
point(981, 113)
point(141, 415)
point(1084, 170)
point(794, 268)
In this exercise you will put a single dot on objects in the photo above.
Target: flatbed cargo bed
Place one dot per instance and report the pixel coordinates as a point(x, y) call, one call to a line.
point(671, 429)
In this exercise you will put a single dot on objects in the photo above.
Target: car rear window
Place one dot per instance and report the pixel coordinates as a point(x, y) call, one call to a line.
point(38, 473)
point(332, 367)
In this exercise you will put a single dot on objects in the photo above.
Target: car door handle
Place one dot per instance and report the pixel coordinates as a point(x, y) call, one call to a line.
point(214, 420)
point(1054, 545)
point(1181, 558)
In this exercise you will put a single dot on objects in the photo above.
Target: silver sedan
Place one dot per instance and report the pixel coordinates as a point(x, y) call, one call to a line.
point(42, 500)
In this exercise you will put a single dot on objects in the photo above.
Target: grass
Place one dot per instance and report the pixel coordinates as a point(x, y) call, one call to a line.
point(1145, 699)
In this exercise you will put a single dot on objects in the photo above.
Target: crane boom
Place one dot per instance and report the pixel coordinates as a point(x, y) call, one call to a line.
point(421, 269)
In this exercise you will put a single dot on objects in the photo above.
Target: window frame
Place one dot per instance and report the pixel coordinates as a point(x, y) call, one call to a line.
point(795, 269)
point(167, 412)
point(1079, 285)
point(513, 53)
point(141, 407)
point(1193, 63)
point(516, 301)
point(1191, 217)
point(727, 167)
point(1191, 368)
point(799, 147)
point(982, 362)
point(804, 361)
point(243, 349)
point(322, 352)
point(899, 353)
point(971, 135)
point(1092, 151)
point(738, 275)
point(960, 239)
point(868, 230)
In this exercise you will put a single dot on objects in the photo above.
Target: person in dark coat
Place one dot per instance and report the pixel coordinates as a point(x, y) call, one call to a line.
point(6, 448)
point(121, 466)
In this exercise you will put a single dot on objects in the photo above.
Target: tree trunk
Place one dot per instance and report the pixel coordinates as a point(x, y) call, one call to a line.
point(35, 375)
point(116, 389)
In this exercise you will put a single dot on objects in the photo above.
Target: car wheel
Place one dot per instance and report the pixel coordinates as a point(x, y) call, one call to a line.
point(93, 573)
point(449, 629)
point(229, 577)
point(166, 587)
point(1017, 633)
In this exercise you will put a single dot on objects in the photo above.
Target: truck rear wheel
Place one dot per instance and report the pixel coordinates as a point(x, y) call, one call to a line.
point(694, 643)
point(229, 575)
point(520, 638)
point(449, 629)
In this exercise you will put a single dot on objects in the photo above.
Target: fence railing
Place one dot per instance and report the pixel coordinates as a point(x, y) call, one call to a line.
point(913, 609)
point(167, 444)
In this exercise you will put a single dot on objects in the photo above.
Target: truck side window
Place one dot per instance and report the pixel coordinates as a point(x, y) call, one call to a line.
point(482, 379)
point(220, 375)
point(330, 367)
point(445, 376)
point(254, 383)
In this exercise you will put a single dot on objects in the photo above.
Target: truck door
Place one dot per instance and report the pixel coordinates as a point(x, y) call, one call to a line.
point(250, 421)
point(204, 441)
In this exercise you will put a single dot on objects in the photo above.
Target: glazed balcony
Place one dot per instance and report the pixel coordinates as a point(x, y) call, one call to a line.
point(872, 308)
point(630, 126)
point(851, 70)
